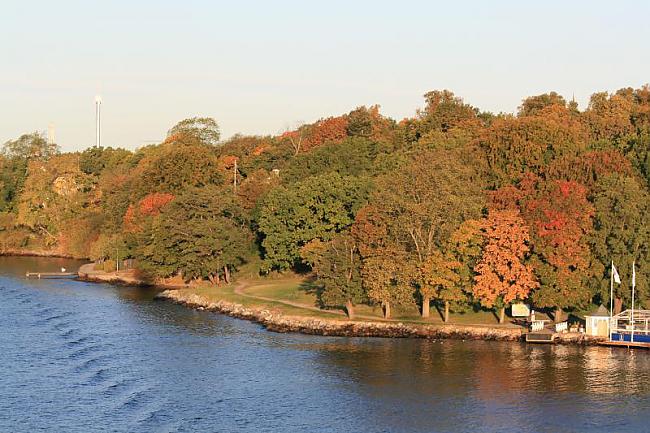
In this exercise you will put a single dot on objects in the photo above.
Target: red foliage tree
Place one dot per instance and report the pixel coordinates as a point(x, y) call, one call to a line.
point(559, 215)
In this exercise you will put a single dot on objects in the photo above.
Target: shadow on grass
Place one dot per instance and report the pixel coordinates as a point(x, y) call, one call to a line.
point(310, 287)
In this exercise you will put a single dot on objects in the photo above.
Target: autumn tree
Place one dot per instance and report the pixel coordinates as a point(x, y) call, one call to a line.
point(422, 203)
point(464, 247)
point(516, 145)
point(535, 104)
point(559, 216)
point(502, 276)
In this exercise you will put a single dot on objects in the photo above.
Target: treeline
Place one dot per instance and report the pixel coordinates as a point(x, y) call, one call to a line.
point(455, 205)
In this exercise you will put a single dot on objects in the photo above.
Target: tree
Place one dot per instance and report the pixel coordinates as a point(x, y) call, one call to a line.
point(465, 247)
point(95, 160)
point(13, 172)
point(516, 145)
point(437, 278)
point(30, 146)
point(316, 208)
point(367, 122)
point(502, 275)
point(535, 104)
point(621, 234)
point(352, 157)
point(337, 266)
point(559, 216)
point(198, 235)
point(201, 130)
point(172, 169)
point(385, 277)
point(422, 203)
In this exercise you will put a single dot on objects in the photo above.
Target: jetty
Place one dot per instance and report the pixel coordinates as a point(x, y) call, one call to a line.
point(40, 275)
point(631, 329)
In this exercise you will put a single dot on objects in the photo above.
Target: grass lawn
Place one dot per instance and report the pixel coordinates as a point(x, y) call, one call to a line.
point(297, 290)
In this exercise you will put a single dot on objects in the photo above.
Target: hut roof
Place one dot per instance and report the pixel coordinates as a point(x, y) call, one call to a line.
point(599, 312)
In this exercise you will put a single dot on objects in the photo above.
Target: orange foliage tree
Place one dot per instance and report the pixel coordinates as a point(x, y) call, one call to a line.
point(501, 275)
point(149, 206)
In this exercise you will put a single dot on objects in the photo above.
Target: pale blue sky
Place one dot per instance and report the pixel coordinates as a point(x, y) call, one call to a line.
point(259, 67)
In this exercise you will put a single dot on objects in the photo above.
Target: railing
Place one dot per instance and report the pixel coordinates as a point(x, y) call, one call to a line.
point(537, 325)
point(561, 327)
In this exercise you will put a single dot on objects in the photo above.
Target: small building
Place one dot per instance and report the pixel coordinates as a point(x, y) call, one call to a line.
point(597, 323)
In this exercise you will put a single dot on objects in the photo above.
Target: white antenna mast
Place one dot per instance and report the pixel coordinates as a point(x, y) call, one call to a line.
point(51, 138)
point(98, 120)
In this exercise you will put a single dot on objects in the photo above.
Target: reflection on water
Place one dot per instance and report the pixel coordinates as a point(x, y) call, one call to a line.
point(96, 357)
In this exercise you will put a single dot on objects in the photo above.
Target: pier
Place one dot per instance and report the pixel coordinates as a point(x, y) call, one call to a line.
point(40, 275)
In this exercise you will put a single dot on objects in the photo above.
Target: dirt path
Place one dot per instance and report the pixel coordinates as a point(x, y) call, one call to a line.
point(239, 290)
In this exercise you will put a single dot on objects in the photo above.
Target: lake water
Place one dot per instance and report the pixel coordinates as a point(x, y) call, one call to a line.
point(87, 357)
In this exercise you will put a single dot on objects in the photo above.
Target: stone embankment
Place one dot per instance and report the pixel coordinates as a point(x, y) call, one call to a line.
point(277, 322)
point(316, 326)
point(87, 272)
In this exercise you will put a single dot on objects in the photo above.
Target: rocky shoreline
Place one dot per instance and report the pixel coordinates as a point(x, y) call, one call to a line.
point(328, 327)
point(37, 253)
point(282, 323)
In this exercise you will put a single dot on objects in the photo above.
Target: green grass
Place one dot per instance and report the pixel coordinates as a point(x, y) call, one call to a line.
point(297, 290)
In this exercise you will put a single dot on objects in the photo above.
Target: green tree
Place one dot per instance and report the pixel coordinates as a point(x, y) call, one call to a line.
point(621, 234)
point(30, 146)
point(95, 160)
point(199, 235)
point(337, 266)
point(316, 208)
point(201, 130)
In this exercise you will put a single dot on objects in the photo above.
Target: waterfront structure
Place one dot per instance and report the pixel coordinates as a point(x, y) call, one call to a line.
point(597, 323)
point(631, 326)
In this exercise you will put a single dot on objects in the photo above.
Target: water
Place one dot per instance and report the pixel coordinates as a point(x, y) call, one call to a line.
point(87, 357)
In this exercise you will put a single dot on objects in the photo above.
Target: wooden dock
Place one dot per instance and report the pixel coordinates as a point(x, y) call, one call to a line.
point(543, 336)
point(628, 344)
point(40, 275)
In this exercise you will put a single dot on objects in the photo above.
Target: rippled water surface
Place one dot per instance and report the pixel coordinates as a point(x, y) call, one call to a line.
point(87, 357)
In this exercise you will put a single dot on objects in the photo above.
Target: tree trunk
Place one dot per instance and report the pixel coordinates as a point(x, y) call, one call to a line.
point(349, 307)
point(618, 305)
point(425, 306)
point(558, 315)
point(212, 280)
point(386, 310)
point(446, 318)
point(502, 315)
point(226, 274)
point(217, 279)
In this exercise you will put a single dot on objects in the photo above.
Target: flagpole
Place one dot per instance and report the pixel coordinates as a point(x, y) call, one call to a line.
point(632, 313)
point(611, 300)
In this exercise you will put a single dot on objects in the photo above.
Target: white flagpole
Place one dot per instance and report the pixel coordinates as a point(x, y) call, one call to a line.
point(611, 300)
point(632, 313)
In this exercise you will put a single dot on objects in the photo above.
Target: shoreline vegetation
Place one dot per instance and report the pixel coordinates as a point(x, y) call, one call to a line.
point(451, 215)
point(277, 315)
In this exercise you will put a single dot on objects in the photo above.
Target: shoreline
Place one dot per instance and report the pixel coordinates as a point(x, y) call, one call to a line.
point(284, 323)
point(38, 253)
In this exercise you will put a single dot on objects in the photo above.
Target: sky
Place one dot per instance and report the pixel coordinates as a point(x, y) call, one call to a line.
point(262, 67)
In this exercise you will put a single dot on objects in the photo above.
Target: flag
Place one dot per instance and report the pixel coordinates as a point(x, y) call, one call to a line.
point(617, 278)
